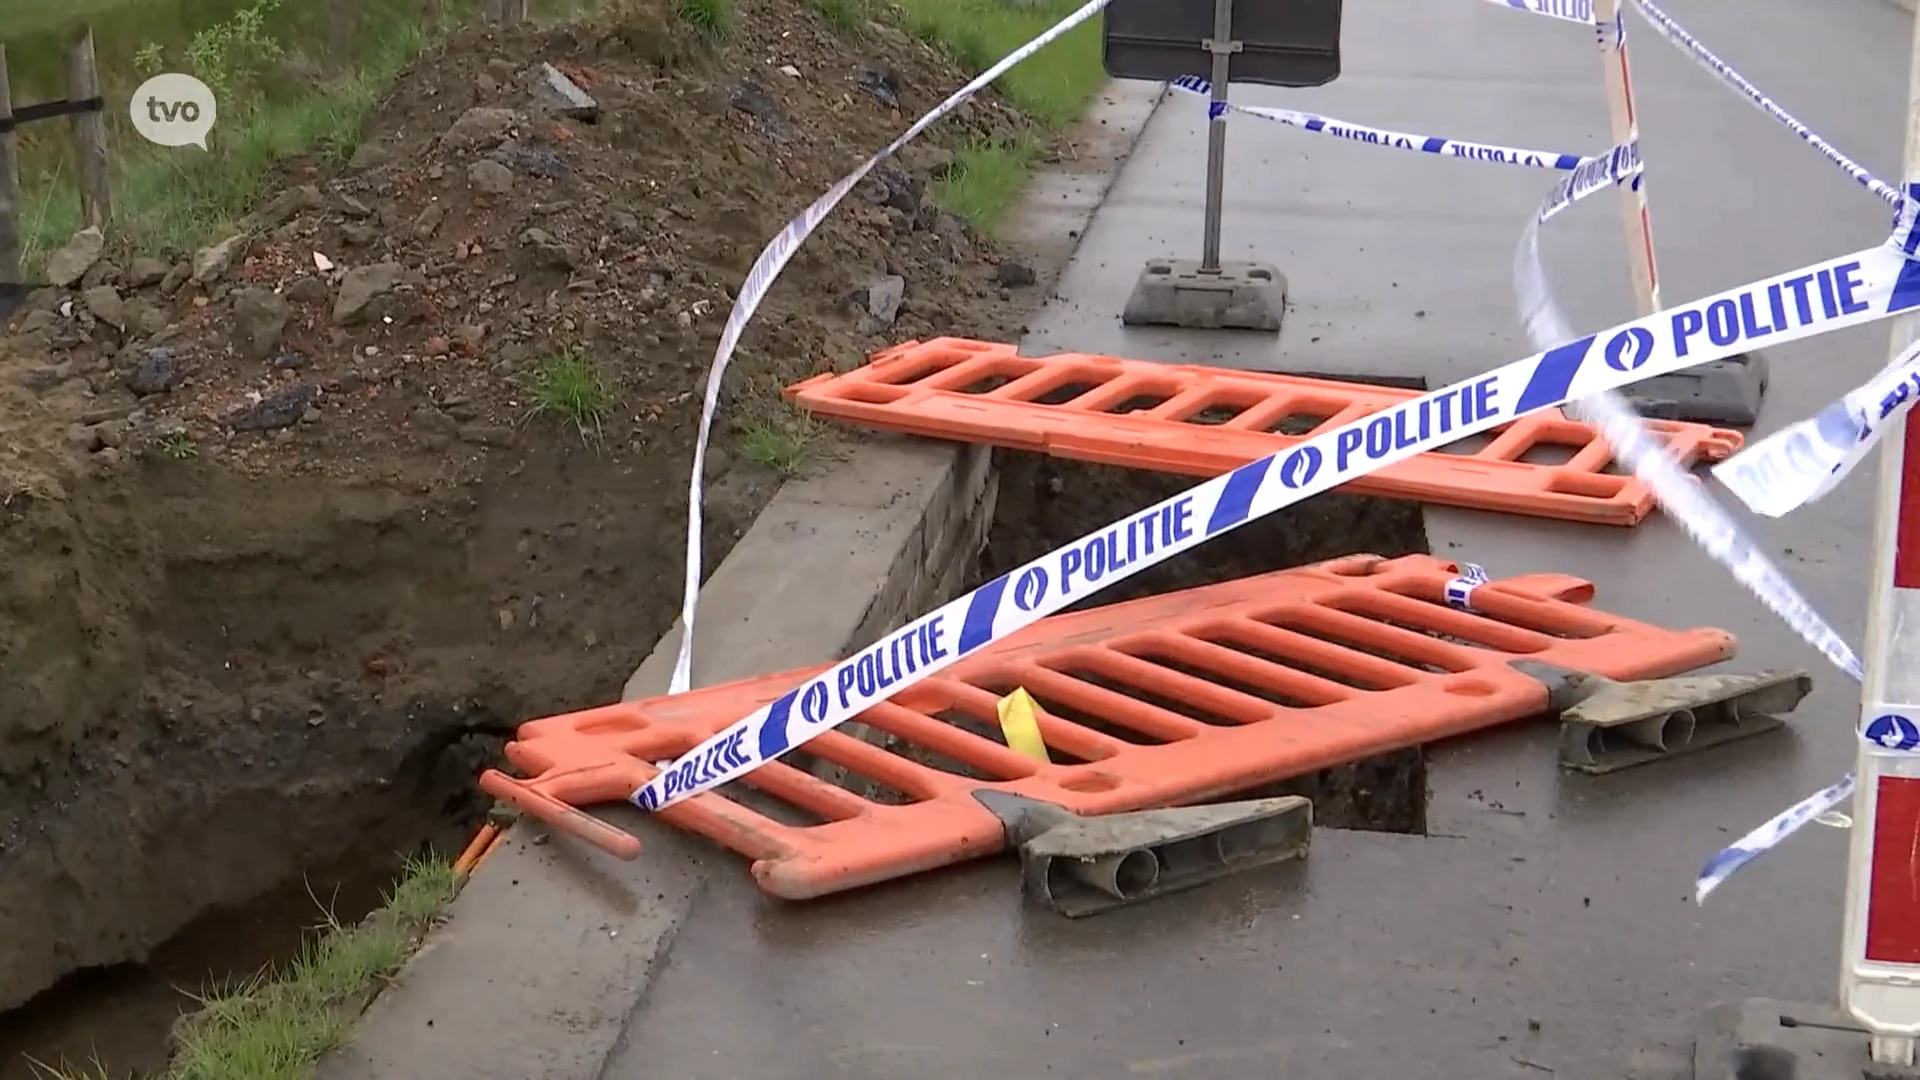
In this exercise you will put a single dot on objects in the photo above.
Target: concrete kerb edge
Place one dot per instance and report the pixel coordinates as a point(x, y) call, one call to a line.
point(550, 947)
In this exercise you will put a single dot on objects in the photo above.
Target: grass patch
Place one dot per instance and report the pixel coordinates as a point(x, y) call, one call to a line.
point(776, 433)
point(179, 447)
point(985, 179)
point(277, 1027)
point(711, 19)
point(185, 198)
point(1053, 86)
point(568, 388)
point(844, 16)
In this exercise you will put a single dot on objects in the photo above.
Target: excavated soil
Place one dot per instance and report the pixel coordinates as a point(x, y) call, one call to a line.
point(1046, 503)
point(289, 548)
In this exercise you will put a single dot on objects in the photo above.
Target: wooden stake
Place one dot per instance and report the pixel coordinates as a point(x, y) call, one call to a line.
point(89, 131)
point(9, 184)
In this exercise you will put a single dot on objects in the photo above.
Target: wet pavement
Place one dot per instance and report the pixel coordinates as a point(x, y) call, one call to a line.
point(1545, 928)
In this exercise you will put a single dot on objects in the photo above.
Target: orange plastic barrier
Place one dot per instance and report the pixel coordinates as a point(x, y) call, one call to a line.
point(1167, 700)
point(1203, 421)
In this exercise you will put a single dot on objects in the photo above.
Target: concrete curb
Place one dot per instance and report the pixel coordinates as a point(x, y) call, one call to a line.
point(550, 948)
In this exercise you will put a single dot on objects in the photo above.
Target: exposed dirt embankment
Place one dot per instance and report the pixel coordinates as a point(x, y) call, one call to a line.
point(289, 535)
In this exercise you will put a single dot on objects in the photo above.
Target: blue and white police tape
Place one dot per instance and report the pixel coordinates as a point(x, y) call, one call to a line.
point(1864, 287)
point(1802, 462)
point(1703, 519)
point(760, 280)
point(1398, 140)
point(1675, 33)
point(1694, 509)
point(1539, 314)
point(1580, 11)
point(1888, 733)
point(1616, 165)
point(1691, 507)
point(1459, 591)
point(1769, 836)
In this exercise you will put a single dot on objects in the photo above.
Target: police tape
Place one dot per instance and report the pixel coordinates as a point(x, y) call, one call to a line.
point(1857, 288)
point(1372, 136)
point(766, 268)
point(1539, 314)
point(1802, 462)
point(1458, 592)
point(1784, 824)
point(1769, 836)
point(1580, 11)
point(1675, 33)
point(1716, 533)
point(1691, 507)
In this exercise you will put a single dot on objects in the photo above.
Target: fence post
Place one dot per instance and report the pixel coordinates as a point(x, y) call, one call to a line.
point(1610, 25)
point(9, 184)
point(89, 131)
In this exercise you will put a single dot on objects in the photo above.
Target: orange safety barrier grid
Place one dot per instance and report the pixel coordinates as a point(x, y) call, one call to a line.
point(1202, 421)
point(1167, 700)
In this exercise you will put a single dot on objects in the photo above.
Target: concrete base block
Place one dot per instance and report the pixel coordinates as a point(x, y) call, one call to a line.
point(1237, 296)
point(1723, 392)
point(1761, 1039)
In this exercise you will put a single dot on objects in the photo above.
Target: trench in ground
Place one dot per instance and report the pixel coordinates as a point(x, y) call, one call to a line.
point(113, 1021)
point(117, 1020)
point(1045, 503)
point(234, 708)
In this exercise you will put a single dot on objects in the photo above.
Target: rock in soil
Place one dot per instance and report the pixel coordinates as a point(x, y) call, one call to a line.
point(360, 286)
point(259, 321)
point(105, 304)
point(71, 261)
point(211, 263)
point(156, 372)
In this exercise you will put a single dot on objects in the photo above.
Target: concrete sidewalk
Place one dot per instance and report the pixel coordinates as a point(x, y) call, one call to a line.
point(1545, 929)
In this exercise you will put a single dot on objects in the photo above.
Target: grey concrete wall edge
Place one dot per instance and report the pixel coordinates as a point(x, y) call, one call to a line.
point(550, 947)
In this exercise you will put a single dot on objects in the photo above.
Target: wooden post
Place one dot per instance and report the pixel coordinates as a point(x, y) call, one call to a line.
point(89, 131)
point(504, 11)
point(340, 20)
point(9, 186)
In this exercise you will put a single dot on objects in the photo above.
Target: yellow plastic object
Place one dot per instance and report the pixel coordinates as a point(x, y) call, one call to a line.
point(1019, 724)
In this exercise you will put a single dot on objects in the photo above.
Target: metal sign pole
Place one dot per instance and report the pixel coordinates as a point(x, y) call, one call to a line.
point(1880, 951)
point(1222, 46)
point(1271, 42)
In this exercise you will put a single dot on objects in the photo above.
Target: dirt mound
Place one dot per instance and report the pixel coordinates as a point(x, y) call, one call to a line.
point(296, 525)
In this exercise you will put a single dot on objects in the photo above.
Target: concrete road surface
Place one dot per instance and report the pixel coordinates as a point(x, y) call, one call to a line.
point(1544, 930)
